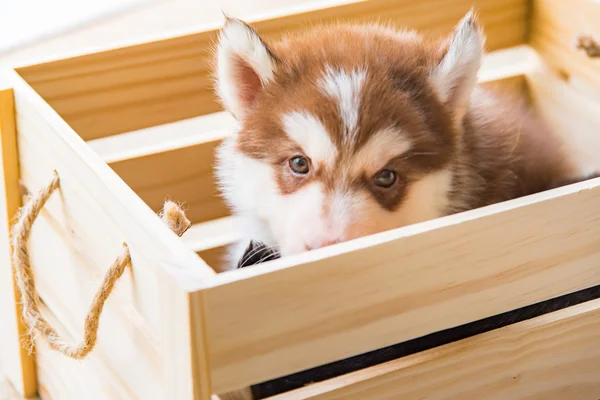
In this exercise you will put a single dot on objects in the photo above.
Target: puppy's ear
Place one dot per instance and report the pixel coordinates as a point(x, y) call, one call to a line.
point(455, 77)
point(245, 64)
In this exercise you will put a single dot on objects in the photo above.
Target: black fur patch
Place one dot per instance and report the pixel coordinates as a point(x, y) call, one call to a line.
point(257, 253)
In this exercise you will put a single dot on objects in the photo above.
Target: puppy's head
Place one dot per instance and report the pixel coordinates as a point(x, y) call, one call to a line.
point(344, 130)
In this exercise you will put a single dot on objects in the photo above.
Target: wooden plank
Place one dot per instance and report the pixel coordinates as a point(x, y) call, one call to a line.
point(8, 391)
point(186, 365)
point(570, 110)
point(177, 160)
point(211, 234)
point(183, 174)
point(555, 25)
point(172, 161)
point(162, 138)
point(61, 377)
point(139, 86)
point(16, 362)
point(307, 310)
point(551, 357)
point(81, 230)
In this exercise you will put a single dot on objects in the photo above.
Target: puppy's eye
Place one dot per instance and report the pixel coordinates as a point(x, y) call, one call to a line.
point(299, 165)
point(385, 178)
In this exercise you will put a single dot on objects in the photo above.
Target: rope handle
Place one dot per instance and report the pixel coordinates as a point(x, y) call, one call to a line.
point(588, 44)
point(36, 324)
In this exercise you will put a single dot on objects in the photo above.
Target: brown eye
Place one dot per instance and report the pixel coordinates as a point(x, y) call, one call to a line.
point(299, 165)
point(385, 178)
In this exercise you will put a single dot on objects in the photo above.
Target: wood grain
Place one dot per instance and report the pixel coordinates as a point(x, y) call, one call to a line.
point(184, 175)
point(81, 230)
point(16, 362)
point(551, 357)
point(8, 391)
point(570, 110)
point(154, 83)
point(307, 310)
point(63, 378)
point(186, 366)
point(555, 25)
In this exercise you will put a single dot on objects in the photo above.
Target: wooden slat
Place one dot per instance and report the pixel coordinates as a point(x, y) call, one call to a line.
point(162, 138)
point(551, 357)
point(332, 303)
point(79, 233)
point(63, 378)
point(165, 81)
point(15, 361)
point(184, 174)
point(172, 161)
point(555, 25)
point(211, 234)
point(570, 110)
point(186, 365)
point(177, 160)
point(8, 391)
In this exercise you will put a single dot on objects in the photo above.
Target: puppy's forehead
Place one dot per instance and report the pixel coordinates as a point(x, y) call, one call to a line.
point(344, 88)
point(350, 104)
point(333, 92)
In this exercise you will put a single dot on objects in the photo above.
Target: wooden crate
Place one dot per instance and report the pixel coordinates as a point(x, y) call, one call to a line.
point(128, 127)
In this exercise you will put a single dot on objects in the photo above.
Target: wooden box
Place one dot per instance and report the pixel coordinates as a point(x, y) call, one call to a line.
point(129, 127)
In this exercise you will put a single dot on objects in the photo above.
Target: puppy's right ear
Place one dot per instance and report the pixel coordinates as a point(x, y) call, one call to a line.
point(245, 65)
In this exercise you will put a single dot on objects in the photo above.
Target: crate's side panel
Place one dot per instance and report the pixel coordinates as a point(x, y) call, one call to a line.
point(551, 357)
point(150, 84)
point(567, 109)
point(80, 232)
point(15, 361)
point(60, 377)
point(369, 293)
point(554, 29)
point(566, 87)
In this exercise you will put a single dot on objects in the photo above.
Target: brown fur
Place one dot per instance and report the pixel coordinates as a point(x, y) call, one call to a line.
point(496, 152)
point(500, 153)
point(505, 153)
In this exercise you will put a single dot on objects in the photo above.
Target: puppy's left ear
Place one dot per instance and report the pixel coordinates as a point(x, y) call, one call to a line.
point(455, 77)
point(245, 64)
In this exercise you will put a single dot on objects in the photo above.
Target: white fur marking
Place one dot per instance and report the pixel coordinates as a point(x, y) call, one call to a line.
point(310, 134)
point(345, 88)
point(379, 149)
point(458, 70)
